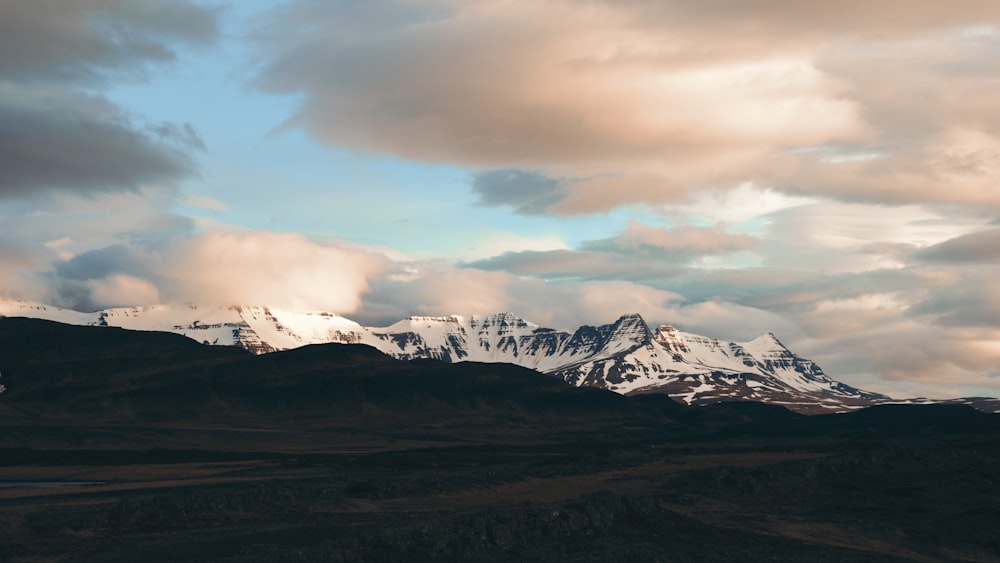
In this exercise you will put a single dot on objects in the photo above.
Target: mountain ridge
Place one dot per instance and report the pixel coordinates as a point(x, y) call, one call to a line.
point(625, 356)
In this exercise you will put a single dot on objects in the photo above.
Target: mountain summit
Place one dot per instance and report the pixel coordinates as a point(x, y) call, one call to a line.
point(624, 356)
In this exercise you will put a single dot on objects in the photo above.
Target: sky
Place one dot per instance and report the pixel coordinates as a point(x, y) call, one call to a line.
point(829, 172)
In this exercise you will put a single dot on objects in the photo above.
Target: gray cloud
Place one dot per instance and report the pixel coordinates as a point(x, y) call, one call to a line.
point(525, 191)
point(910, 359)
point(220, 268)
point(837, 237)
point(978, 247)
point(56, 136)
point(912, 352)
point(530, 192)
point(971, 300)
point(21, 260)
point(640, 253)
point(81, 143)
point(766, 18)
point(118, 259)
point(74, 41)
point(46, 252)
point(565, 265)
point(677, 244)
point(70, 281)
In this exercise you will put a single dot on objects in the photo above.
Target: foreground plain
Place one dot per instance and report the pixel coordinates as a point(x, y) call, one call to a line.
point(337, 453)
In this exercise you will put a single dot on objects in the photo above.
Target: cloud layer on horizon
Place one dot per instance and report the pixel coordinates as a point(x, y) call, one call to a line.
point(917, 326)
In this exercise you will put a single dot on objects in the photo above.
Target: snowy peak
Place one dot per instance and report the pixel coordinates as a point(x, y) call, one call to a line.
point(768, 338)
point(766, 344)
point(503, 321)
point(628, 332)
point(424, 323)
point(623, 356)
point(31, 309)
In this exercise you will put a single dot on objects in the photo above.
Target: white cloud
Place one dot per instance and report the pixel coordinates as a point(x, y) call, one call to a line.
point(833, 237)
point(732, 321)
point(652, 102)
point(742, 203)
point(119, 290)
point(862, 303)
point(279, 269)
point(491, 244)
point(634, 111)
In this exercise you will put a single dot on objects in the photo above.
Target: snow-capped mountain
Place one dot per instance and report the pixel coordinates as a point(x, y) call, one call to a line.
point(624, 356)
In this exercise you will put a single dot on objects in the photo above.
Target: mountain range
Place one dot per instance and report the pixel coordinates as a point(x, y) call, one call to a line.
point(624, 356)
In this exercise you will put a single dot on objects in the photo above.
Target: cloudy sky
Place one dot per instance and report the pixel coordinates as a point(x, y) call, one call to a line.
point(826, 171)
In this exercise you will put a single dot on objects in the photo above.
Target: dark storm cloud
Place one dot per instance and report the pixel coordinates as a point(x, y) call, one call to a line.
point(527, 192)
point(85, 40)
point(53, 135)
point(81, 143)
point(96, 264)
point(978, 247)
point(72, 282)
point(977, 304)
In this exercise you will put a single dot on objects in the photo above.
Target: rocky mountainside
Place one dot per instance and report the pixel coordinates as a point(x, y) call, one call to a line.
point(624, 356)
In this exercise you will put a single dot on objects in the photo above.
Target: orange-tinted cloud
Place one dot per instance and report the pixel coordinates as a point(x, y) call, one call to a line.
point(647, 101)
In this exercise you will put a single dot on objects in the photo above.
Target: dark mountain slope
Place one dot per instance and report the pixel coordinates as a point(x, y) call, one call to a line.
point(89, 376)
point(164, 449)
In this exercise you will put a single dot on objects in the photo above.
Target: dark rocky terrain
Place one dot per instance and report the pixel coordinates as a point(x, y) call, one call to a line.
point(339, 453)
